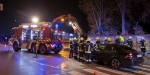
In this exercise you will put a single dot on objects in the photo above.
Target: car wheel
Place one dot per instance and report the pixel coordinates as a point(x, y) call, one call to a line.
point(43, 49)
point(115, 63)
point(15, 47)
point(33, 48)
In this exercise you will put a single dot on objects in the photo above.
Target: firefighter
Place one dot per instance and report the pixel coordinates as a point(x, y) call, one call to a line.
point(121, 40)
point(109, 41)
point(105, 40)
point(117, 40)
point(97, 43)
point(130, 42)
point(88, 49)
point(71, 48)
point(81, 49)
point(75, 48)
point(142, 44)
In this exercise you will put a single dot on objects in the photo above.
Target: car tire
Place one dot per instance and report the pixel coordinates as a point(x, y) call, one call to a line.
point(43, 49)
point(15, 47)
point(33, 48)
point(115, 63)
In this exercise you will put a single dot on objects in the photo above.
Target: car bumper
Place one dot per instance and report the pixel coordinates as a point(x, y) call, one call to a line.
point(132, 62)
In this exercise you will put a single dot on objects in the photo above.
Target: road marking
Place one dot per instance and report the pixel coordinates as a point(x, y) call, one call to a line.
point(145, 66)
point(97, 72)
point(75, 73)
point(135, 71)
point(114, 71)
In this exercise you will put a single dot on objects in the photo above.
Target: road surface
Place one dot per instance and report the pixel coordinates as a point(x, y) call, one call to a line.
point(24, 63)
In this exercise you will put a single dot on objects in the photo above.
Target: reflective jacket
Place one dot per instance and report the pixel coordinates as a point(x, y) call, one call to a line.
point(81, 45)
point(89, 47)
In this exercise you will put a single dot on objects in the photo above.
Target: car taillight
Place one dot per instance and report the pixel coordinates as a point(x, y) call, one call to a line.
point(129, 56)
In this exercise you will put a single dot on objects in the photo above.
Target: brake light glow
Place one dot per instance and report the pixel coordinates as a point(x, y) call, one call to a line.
point(130, 56)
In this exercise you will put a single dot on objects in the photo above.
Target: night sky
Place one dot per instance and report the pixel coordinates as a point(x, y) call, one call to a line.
point(21, 11)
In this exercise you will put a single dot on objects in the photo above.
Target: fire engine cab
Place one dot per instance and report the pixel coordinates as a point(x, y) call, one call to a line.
point(37, 36)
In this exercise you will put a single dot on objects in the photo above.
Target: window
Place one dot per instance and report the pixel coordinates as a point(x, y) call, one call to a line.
point(108, 48)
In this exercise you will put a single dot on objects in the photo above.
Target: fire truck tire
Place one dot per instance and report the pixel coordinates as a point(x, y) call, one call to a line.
point(43, 49)
point(33, 47)
point(15, 47)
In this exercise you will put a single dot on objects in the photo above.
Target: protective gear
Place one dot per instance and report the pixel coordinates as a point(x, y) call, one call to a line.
point(81, 38)
point(97, 43)
point(76, 46)
point(89, 46)
point(130, 42)
point(89, 39)
point(105, 40)
point(121, 40)
point(75, 38)
point(142, 45)
point(117, 40)
point(71, 48)
point(97, 38)
point(109, 40)
point(81, 50)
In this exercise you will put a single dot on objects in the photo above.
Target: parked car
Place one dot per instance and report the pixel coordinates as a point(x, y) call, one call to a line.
point(118, 55)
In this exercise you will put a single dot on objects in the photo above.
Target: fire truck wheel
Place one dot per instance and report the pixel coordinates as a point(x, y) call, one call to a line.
point(33, 47)
point(43, 49)
point(15, 47)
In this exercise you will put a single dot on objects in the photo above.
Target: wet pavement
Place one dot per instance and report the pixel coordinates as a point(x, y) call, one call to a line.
point(25, 63)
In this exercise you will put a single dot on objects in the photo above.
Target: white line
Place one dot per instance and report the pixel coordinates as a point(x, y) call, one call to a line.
point(135, 71)
point(114, 71)
point(145, 66)
point(142, 68)
point(75, 73)
point(97, 72)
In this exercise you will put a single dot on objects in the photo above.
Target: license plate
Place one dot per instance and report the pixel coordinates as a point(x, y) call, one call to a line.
point(139, 55)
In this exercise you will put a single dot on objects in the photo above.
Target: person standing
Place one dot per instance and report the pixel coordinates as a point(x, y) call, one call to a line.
point(89, 46)
point(142, 44)
point(130, 42)
point(117, 40)
point(71, 48)
point(76, 46)
point(81, 49)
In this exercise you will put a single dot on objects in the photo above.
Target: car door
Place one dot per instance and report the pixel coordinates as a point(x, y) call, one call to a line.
point(100, 52)
point(108, 53)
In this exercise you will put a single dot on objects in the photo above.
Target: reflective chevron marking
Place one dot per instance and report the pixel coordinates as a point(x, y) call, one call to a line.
point(114, 71)
point(92, 71)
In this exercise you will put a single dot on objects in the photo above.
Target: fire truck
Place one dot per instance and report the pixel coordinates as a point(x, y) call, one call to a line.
point(41, 36)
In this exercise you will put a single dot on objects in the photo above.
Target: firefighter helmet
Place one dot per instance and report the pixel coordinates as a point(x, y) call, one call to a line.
point(75, 38)
point(97, 38)
point(117, 37)
point(130, 37)
point(109, 39)
point(89, 39)
point(105, 38)
point(70, 39)
point(81, 38)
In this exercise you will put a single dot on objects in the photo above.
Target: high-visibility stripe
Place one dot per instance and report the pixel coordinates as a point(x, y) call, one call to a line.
point(97, 72)
point(75, 73)
point(114, 71)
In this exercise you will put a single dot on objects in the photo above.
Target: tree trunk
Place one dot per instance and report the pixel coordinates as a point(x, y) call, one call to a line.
point(123, 17)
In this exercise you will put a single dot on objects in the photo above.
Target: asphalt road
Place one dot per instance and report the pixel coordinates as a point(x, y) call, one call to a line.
point(25, 63)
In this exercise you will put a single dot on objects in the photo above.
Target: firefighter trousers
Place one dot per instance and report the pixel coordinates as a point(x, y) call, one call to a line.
point(75, 54)
point(88, 57)
point(81, 56)
point(143, 50)
point(71, 53)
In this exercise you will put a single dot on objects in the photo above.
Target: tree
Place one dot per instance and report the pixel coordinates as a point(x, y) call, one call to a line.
point(113, 16)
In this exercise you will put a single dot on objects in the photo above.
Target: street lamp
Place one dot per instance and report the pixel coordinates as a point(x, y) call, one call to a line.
point(35, 20)
point(70, 23)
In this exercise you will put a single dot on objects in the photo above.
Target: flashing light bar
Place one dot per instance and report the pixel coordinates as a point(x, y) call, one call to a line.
point(25, 26)
point(33, 25)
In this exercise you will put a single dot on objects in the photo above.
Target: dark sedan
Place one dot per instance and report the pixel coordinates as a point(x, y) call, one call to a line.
point(118, 55)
